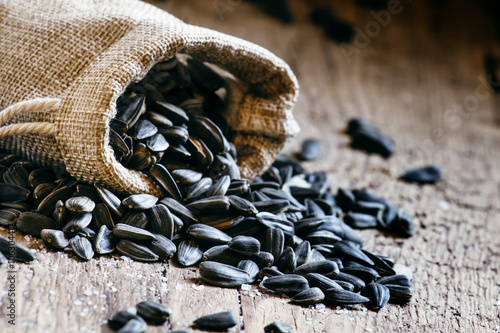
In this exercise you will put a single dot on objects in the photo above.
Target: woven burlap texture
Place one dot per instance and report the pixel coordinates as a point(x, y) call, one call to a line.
point(87, 52)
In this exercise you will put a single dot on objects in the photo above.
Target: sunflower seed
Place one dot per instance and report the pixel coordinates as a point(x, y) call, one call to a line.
point(344, 297)
point(309, 296)
point(189, 253)
point(201, 154)
point(11, 249)
point(322, 282)
point(17, 175)
point(186, 177)
point(275, 206)
point(141, 201)
point(157, 143)
point(80, 205)
point(142, 129)
point(211, 134)
point(273, 221)
point(325, 267)
point(77, 223)
point(197, 189)
point(274, 242)
point(218, 321)
point(8, 217)
point(347, 250)
point(289, 284)
point(241, 205)
point(42, 191)
point(250, 267)
point(54, 239)
point(220, 187)
point(41, 176)
point(378, 295)
point(303, 253)
point(399, 294)
point(104, 242)
point(102, 216)
point(345, 199)
point(365, 136)
point(33, 223)
point(138, 219)
point(403, 225)
point(356, 282)
point(367, 274)
point(360, 220)
point(222, 275)
point(164, 179)
point(213, 205)
point(245, 245)
point(82, 247)
point(111, 200)
point(278, 327)
point(134, 326)
point(310, 150)
point(430, 174)
point(287, 262)
point(176, 135)
point(180, 210)
point(153, 313)
point(120, 319)
point(400, 280)
point(12, 193)
point(205, 234)
point(162, 246)
point(136, 251)
point(126, 231)
point(270, 272)
point(172, 112)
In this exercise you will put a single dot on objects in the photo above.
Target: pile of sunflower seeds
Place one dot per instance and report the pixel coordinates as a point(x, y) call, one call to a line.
point(286, 229)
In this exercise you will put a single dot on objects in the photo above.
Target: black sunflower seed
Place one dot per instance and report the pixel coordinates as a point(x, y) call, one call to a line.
point(310, 150)
point(222, 275)
point(33, 223)
point(125, 231)
point(289, 284)
point(104, 242)
point(189, 253)
point(82, 247)
point(205, 234)
point(136, 251)
point(378, 295)
point(277, 327)
point(309, 296)
point(13, 193)
point(80, 205)
point(245, 245)
point(153, 312)
point(19, 252)
point(344, 297)
point(54, 239)
point(217, 322)
point(430, 174)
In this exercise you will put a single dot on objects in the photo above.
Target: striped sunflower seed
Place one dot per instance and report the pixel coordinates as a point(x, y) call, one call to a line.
point(222, 275)
point(217, 321)
point(153, 312)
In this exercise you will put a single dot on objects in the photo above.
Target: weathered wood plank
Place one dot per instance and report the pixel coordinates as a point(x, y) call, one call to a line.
point(410, 80)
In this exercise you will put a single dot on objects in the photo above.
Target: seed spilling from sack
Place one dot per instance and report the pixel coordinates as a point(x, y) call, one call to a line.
point(285, 229)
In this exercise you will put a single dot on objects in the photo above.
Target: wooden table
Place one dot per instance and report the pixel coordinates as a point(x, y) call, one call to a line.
point(420, 79)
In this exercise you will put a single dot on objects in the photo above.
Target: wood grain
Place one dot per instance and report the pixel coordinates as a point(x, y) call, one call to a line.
point(420, 79)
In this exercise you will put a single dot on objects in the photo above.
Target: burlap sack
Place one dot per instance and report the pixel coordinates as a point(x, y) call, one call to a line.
point(80, 55)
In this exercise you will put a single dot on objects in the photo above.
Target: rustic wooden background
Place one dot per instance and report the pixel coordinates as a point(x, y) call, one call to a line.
point(421, 80)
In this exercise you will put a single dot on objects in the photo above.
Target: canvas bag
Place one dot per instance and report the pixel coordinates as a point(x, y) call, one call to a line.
point(63, 64)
